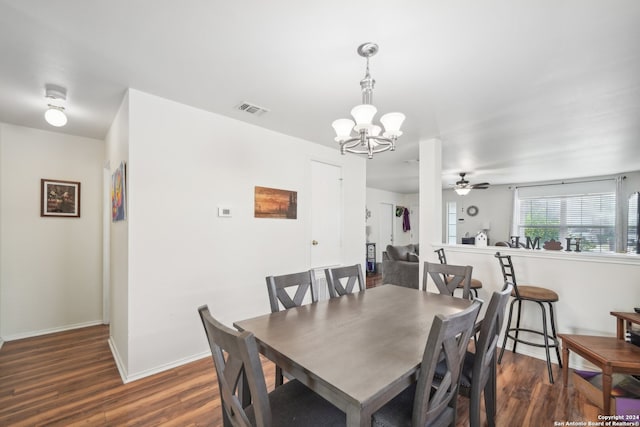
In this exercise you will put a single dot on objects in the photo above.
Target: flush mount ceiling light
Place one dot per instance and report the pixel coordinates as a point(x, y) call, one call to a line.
point(55, 97)
point(368, 139)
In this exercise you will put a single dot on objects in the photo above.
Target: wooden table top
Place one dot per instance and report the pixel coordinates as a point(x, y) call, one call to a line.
point(358, 346)
point(605, 351)
point(630, 317)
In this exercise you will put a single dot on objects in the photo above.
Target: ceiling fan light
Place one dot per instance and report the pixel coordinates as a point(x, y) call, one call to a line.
point(392, 123)
point(343, 129)
point(462, 191)
point(55, 116)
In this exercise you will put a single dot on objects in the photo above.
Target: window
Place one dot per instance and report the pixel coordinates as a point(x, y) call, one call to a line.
point(452, 219)
point(584, 211)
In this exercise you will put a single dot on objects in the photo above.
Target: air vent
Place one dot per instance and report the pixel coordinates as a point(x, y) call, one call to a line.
point(251, 108)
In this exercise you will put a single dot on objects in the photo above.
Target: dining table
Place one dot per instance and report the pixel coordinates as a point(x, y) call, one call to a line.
point(358, 351)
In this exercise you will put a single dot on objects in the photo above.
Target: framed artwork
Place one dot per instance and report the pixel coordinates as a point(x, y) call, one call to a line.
point(59, 198)
point(118, 196)
point(275, 203)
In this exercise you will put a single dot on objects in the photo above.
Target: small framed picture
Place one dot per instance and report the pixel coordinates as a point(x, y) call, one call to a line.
point(59, 198)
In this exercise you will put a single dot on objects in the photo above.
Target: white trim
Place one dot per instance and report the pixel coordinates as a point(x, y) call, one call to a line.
point(1, 343)
point(122, 370)
point(147, 373)
point(52, 330)
point(591, 257)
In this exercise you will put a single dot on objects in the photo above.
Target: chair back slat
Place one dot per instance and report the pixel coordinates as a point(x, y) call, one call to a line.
point(299, 283)
point(447, 277)
point(239, 371)
point(447, 342)
point(508, 273)
point(343, 280)
point(487, 343)
point(441, 255)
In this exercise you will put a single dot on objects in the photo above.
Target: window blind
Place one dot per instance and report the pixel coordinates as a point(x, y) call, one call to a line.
point(587, 212)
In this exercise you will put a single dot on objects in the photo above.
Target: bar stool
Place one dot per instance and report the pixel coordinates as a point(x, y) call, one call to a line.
point(475, 283)
point(540, 296)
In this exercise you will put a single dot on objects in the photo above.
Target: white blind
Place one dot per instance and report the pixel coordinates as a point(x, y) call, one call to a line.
point(586, 211)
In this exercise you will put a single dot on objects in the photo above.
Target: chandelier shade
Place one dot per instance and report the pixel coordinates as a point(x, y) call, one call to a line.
point(362, 136)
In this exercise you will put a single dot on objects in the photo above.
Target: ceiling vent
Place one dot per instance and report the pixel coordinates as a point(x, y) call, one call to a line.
point(251, 108)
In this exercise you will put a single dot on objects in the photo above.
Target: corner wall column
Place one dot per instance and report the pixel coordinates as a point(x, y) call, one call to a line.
point(430, 198)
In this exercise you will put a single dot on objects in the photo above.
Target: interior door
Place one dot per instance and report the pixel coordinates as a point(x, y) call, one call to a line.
point(326, 215)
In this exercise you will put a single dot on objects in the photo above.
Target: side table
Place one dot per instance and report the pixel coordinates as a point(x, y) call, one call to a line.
point(611, 355)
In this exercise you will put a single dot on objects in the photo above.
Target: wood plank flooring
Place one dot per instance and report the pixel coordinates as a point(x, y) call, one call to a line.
point(70, 379)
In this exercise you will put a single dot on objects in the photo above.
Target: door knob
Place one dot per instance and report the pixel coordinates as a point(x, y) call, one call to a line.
point(314, 242)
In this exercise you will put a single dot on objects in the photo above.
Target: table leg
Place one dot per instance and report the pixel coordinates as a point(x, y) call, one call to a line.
point(565, 364)
point(606, 392)
point(620, 328)
point(357, 418)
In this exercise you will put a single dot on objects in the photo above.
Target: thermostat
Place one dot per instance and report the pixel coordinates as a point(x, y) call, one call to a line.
point(224, 211)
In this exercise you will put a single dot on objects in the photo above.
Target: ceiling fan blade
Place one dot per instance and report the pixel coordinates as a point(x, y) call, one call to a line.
point(481, 184)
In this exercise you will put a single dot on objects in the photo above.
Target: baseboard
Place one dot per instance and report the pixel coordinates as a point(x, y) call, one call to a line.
point(122, 370)
point(51, 330)
point(1, 342)
point(166, 367)
point(127, 378)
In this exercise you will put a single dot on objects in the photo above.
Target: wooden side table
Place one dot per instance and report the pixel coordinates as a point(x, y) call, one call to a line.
point(611, 355)
point(624, 322)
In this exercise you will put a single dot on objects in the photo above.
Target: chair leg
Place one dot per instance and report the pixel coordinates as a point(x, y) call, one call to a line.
point(545, 336)
point(506, 332)
point(515, 342)
point(279, 377)
point(553, 330)
point(490, 395)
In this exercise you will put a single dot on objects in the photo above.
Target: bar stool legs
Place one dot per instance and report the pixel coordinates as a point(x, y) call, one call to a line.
point(550, 340)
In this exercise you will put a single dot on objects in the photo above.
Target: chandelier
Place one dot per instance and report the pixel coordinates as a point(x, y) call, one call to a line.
point(367, 139)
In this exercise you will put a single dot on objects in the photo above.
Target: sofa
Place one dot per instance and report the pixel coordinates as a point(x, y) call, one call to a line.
point(401, 266)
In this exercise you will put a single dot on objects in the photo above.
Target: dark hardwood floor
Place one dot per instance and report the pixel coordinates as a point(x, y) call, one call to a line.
point(70, 378)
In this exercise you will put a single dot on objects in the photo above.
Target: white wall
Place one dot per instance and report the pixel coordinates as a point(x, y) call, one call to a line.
point(116, 151)
point(50, 268)
point(183, 164)
point(374, 198)
point(589, 286)
point(495, 206)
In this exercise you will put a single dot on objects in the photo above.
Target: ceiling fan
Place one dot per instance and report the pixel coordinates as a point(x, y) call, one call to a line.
point(463, 186)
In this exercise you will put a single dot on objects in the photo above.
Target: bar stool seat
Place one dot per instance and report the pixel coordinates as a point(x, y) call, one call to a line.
point(536, 294)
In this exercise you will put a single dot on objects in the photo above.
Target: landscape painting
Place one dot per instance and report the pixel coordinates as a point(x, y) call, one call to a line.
point(275, 203)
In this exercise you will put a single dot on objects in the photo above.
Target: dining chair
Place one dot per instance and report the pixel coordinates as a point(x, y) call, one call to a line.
point(240, 377)
point(479, 367)
point(342, 280)
point(448, 278)
point(420, 404)
point(281, 287)
point(475, 283)
point(535, 294)
point(278, 287)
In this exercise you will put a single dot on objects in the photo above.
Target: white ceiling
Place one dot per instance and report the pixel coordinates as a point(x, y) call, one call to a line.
point(518, 91)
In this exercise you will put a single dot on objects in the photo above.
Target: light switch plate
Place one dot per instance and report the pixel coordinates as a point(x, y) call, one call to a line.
point(224, 212)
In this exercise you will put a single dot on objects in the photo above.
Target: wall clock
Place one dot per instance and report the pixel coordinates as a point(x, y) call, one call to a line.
point(472, 210)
